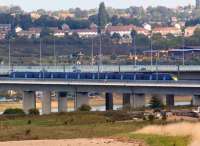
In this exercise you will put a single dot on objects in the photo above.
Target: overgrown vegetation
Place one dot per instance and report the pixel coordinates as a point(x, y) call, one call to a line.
point(14, 112)
point(85, 107)
point(79, 125)
point(156, 140)
point(33, 112)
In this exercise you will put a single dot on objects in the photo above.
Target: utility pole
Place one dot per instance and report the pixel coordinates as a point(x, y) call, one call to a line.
point(135, 51)
point(100, 52)
point(9, 55)
point(183, 46)
point(92, 53)
point(151, 47)
point(54, 51)
point(40, 53)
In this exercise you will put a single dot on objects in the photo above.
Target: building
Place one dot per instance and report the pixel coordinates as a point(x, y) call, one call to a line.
point(167, 30)
point(4, 29)
point(189, 31)
point(31, 33)
point(126, 30)
point(59, 33)
point(35, 15)
point(197, 4)
point(121, 30)
point(85, 32)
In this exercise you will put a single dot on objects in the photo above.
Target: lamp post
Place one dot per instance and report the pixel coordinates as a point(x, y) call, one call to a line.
point(183, 45)
point(9, 55)
point(54, 51)
point(100, 52)
point(40, 54)
point(92, 53)
point(133, 36)
point(151, 49)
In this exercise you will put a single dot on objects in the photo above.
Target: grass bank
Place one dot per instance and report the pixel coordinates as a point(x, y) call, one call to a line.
point(80, 125)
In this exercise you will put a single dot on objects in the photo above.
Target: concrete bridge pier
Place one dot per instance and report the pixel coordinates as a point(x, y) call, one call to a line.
point(81, 98)
point(196, 100)
point(126, 101)
point(62, 102)
point(138, 100)
point(109, 101)
point(46, 102)
point(133, 100)
point(29, 101)
point(170, 101)
point(160, 97)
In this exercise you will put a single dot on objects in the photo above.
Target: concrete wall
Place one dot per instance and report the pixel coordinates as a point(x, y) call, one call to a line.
point(81, 98)
point(62, 101)
point(29, 101)
point(46, 102)
point(109, 101)
point(133, 100)
point(196, 100)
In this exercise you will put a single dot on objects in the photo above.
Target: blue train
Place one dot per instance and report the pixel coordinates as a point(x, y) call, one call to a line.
point(92, 76)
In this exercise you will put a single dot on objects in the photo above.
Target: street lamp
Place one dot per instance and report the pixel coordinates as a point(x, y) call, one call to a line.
point(9, 55)
point(151, 49)
point(40, 53)
point(149, 28)
point(92, 53)
point(183, 45)
point(100, 52)
point(54, 51)
point(133, 36)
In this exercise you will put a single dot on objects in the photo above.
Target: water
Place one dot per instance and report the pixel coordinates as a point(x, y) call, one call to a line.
point(2, 99)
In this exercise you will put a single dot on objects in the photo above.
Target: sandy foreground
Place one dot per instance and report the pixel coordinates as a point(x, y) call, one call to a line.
point(71, 142)
point(179, 129)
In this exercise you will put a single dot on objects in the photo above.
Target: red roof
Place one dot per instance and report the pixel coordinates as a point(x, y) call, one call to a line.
point(120, 28)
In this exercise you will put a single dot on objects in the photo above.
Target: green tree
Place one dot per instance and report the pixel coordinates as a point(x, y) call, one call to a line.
point(103, 17)
point(155, 103)
point(45, 32)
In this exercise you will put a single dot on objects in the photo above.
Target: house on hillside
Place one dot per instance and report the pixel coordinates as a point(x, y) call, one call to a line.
point(167, 30)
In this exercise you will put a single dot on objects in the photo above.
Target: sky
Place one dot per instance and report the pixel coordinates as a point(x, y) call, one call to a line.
point(30, 5)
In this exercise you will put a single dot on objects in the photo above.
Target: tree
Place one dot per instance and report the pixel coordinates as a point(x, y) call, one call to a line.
point(45, 32)
point(155, 103)
point(25, 21)
point(133, 36)
point(116, 36)
point(103, 17)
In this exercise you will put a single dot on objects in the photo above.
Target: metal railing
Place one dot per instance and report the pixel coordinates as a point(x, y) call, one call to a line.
point(104, 68)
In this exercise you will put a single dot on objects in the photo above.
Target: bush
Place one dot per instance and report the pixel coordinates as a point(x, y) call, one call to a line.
point(151, 118)
point(118, 115)
point(85, 107)
point(155, 103)
point(15, 111)
point(33, 111)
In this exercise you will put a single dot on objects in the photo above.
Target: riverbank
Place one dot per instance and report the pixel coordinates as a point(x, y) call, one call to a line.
point(118, 125)
point(74, 142)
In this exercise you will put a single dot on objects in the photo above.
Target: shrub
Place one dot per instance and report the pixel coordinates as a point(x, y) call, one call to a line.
point(29, 122)
point(84, 107)
point(118, 115)
point(28, 132)
point(156, 103)
point(33, 111)
point(151, 118)
point(15, 111)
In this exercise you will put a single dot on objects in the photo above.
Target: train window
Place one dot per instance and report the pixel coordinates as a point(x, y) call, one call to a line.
point(128, 76)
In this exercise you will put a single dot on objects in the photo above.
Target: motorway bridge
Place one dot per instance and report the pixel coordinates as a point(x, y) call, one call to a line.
point(133, 91)
point(187, 72)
